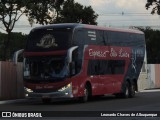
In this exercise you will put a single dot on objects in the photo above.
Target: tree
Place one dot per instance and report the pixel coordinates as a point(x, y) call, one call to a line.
point(155, 6)
point(59, 11)
point(10, 12)
point(18, 42)
point(74, 12)
point(152, 44)
point(40, 11)
point(43, 11)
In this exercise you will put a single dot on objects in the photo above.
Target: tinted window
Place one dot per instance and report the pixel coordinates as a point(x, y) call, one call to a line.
point(106, 67)
point(95, 37)
point(125, 39)
point(79, 38)
point(118, 38)
point(47, 40)
point(89, 37)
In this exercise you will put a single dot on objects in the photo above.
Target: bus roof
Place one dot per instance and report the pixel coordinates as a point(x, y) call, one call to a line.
point(114, 29)
point(78, 25)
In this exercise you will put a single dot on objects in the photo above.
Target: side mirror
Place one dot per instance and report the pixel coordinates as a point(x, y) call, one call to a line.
point(16, 55)
point(69, 53)
point(70, 60)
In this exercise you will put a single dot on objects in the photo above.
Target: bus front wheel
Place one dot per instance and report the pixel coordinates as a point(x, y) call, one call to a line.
point(86, 95)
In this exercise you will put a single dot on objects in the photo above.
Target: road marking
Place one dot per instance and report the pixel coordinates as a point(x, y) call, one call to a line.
point(152, 90)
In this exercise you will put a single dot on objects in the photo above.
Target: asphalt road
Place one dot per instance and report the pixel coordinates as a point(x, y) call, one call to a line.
point(145, 101)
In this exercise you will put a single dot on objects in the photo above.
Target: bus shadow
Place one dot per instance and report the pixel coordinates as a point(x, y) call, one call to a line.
point(91, 100)
point(72, 101)
point(77, 101)
point(66, 101)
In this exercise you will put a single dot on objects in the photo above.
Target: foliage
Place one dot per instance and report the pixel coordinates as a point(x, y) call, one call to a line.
point(152, 38)
point(60, 11)
point(18, 42)
point(12, 10)
point(155, 4)
point(43, 11)
point(40, 12)
point(73, 12)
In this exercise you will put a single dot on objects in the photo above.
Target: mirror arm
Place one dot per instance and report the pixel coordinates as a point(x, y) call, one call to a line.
point(69, 53)
point(16, 55)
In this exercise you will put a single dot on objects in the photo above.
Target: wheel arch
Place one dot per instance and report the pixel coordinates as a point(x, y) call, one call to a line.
point(128, 79)
point(132, 81)
point(135, 83)
point(89, 86)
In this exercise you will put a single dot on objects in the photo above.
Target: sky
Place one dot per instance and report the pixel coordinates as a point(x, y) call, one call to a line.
point(112, 13)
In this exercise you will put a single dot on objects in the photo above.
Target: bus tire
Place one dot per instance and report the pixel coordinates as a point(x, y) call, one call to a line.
point(46, 100)
point(86, 95)
point(131, 91)
point(125, 92)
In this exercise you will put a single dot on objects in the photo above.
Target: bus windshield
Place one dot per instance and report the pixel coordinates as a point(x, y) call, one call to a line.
point(45, 40)
point(48, 67)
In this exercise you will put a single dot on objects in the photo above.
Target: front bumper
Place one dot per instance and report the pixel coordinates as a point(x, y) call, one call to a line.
point(65, 93)
point(49, 95)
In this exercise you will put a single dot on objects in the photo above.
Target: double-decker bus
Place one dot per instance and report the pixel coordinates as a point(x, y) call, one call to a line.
point(80, 61)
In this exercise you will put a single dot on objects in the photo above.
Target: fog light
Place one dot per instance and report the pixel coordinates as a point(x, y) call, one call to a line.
point(66, 93)
point(26, 95)
point(28, 90)
point(65, 87)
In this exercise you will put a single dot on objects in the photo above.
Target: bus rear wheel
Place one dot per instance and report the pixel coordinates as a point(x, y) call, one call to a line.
point(128, 92)
point(124, 93)
point(132, 91)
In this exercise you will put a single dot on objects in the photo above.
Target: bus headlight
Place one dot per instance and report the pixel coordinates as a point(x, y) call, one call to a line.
point(28, 90)
point(65, 87)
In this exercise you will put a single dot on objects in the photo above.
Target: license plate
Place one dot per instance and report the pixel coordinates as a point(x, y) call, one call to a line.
point(45, 96)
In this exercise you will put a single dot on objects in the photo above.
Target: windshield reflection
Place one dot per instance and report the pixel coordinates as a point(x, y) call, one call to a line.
point(49, 67)
point(56, 68)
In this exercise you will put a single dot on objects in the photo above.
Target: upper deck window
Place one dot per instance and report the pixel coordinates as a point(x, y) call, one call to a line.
point(43, 40)
point(88, 37)
point(124, 39)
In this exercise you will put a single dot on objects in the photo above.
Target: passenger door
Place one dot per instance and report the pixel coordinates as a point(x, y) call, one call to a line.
point(95, 78)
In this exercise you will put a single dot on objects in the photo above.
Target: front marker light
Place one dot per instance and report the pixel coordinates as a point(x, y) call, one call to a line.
point(26, 95)
point(64, 88)
point(28, 90)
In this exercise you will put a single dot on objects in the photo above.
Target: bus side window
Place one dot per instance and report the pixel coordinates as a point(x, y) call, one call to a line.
point(93, 67)
point(97, 67)
point(116, 66)
point(100, 38)
point(79, 38)
point(118, 38)
point(103, 67)
point(113, 38)
point(77, 61)
point(106, 67)
point(105, 37)
point(90, 69)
